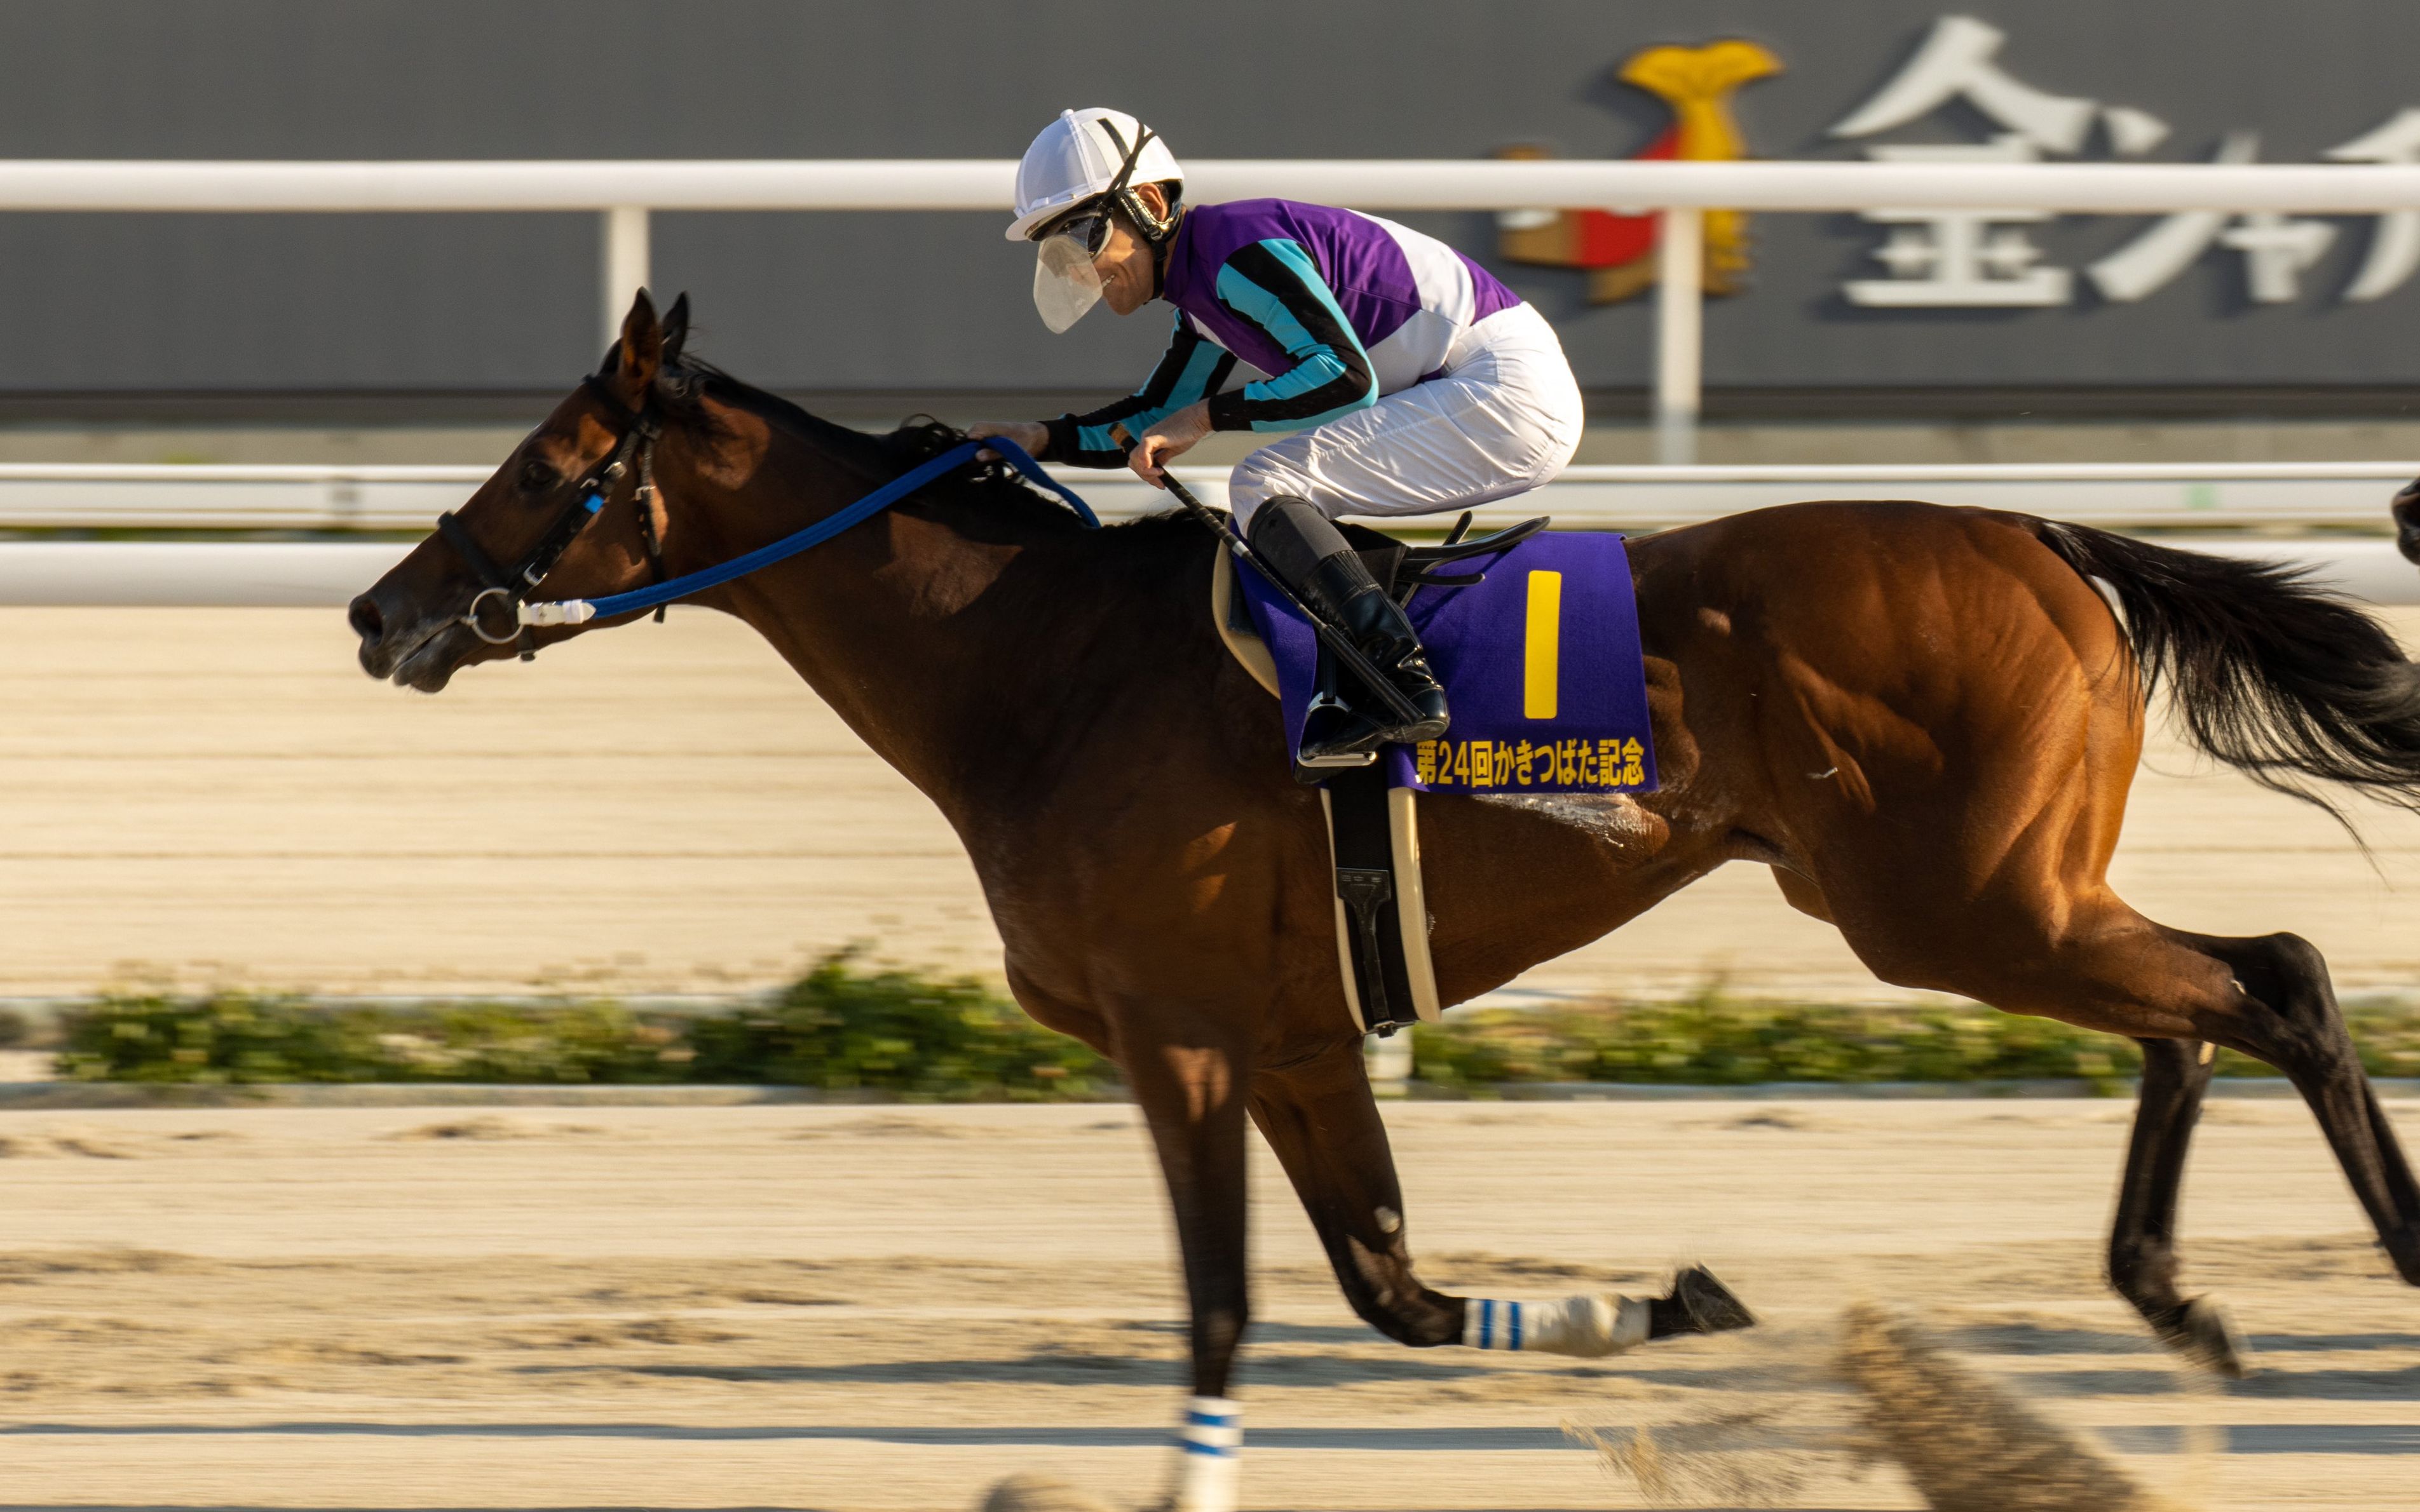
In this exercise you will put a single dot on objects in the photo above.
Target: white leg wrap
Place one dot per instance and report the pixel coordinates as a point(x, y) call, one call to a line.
point(1586, 1326)
point(1209, 1456)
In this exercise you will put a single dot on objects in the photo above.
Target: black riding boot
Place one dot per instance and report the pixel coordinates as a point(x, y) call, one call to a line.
point(1304, 546)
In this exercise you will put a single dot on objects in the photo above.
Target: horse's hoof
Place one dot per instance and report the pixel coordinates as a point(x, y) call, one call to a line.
point(1709, 1303)
point(2205, 1335)
point(2402, 1245)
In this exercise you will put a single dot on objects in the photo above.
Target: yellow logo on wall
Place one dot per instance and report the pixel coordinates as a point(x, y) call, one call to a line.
point(1619, 251)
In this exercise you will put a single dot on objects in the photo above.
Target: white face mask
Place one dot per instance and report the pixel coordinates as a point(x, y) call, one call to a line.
point(1067, 284)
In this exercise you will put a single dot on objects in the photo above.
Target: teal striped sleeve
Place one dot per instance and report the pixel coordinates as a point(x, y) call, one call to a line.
point(1275, 286)
point(1189, 369)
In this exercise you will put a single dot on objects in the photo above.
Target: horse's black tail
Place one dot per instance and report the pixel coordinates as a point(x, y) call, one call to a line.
point(2268, 673)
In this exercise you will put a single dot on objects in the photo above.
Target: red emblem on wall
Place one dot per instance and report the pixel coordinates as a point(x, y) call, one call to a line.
point(1619, 251)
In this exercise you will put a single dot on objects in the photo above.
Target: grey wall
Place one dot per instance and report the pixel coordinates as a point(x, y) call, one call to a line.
point(938, 302)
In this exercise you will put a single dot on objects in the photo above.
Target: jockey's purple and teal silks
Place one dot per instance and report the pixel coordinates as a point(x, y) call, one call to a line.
point(1291, 314)
point(1540, 662)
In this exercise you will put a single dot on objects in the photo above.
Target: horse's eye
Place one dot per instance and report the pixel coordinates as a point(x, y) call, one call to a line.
point(536, 476)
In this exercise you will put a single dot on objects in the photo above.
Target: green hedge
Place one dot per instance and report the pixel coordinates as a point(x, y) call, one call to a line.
point(839, 1027)
point(1713, 1040)
point(845, 1027)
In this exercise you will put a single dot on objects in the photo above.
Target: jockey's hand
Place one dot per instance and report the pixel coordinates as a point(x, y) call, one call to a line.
point(1031, 434)
point(1168, 440)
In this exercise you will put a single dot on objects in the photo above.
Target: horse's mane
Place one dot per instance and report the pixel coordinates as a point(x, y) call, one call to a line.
point(998, 490)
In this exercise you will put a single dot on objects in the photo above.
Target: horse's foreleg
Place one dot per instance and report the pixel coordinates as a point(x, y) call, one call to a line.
point(1192, 1096)
point(1323, 1121)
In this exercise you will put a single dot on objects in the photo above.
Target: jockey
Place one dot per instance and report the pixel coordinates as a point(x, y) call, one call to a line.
point(1403, 378)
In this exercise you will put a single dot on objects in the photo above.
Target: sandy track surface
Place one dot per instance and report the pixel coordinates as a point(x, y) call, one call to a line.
point(220, 795)
point(888, 1308)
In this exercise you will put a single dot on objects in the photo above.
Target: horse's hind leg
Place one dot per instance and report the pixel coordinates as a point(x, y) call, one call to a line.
point(2095, 963)
point(2142, 1241)
point(2072, 951)
point(1321, 1119)
point(2286, 1014)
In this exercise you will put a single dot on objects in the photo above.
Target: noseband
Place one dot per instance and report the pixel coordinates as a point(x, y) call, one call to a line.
point(507, 589)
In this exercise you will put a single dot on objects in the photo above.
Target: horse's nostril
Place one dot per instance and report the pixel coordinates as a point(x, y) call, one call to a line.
point(367, 623)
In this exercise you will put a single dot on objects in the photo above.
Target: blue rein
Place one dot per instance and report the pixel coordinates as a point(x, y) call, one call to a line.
point(580, 610)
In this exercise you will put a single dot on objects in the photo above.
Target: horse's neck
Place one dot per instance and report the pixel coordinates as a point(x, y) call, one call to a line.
point(912, 630)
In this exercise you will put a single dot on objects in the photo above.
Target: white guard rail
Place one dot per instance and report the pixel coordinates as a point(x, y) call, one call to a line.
point(625, 192)
point(2267, 496)
point(1385, 184)
point(2251, 499)
point(325, 575)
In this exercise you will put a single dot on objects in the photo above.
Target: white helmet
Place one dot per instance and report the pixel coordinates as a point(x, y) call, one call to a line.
point(1080, 156)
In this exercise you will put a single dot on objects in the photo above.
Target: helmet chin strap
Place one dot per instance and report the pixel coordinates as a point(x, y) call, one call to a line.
point(1158, 233)
point(1159, 250)
point(1155, 231)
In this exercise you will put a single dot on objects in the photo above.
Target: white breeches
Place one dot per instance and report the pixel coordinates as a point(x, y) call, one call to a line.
point(1504, 419)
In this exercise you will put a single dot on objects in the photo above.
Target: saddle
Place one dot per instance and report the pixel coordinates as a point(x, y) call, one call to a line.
point(1382, 920)
point(1398, 567)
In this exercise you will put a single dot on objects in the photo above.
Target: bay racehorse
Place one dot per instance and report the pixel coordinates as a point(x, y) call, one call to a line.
point(1923, 719)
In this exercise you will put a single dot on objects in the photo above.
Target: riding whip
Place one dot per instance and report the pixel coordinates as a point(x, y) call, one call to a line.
point(1348, 655)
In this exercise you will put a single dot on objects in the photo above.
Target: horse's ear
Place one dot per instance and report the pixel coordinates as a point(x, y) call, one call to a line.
point(639, 353)
point(675, 329)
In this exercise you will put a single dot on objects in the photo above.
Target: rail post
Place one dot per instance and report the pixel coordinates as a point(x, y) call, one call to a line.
point(1680, 333)
point(626, 263)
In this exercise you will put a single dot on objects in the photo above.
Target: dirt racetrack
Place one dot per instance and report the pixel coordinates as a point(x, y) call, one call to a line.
point(218, 794)
point(889, 1309)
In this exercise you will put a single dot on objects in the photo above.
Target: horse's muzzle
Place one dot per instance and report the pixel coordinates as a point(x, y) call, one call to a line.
point(398, 641)
point(2406, 512)
point(367, 623)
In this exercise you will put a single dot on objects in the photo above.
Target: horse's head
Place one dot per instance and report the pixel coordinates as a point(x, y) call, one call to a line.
point(529, 530)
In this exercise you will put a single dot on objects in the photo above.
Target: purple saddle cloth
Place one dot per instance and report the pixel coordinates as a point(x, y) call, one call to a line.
point(1540, 666)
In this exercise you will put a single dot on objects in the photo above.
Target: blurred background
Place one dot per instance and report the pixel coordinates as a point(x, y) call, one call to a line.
point(432, 337)
point(215, 427)
point(260, 915)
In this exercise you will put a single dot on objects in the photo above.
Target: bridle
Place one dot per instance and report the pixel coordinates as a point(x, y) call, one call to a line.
point(510, 592)
point(507, 591)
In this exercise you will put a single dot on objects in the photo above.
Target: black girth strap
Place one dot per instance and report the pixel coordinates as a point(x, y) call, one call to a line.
point(1365, 881)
